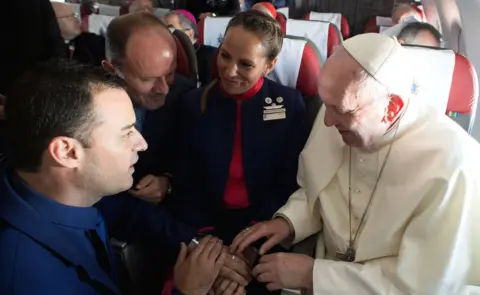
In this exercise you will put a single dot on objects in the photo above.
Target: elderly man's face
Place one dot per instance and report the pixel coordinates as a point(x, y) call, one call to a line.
point(355, 110)
point(173, 21)
point(149, 67)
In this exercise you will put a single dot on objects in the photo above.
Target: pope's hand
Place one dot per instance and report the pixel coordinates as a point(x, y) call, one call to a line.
point(195, 273)
point(285, 270)
point(276, 230)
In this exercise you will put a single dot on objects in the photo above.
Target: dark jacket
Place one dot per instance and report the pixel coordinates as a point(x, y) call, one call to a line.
point(270, 152)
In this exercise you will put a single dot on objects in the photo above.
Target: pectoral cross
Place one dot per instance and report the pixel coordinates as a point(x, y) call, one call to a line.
point(348, 256)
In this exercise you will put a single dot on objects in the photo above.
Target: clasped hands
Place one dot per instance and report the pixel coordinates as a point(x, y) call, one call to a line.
point(226, 270)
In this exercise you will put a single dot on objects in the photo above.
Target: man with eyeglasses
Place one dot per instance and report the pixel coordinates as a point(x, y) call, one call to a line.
point(84, 47)
point(184, 21)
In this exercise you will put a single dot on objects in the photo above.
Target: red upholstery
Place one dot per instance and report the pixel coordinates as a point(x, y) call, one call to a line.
point(282, 20)
point(373, 29)
point(344, 27)
point(200, 31)
point(183, 67)
point(333, 39)
point(464, 90)
point(370, 23)
point(307, 82)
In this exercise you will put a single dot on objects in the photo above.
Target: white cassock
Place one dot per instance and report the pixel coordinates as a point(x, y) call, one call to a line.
point(422, 230)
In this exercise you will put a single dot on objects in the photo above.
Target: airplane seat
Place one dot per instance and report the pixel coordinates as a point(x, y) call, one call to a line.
point(96, 23)
point(373, 24)
point(298, 67)
point(110, 10)
point(447, 80)
point(323, 34)
point(335, 18)
point(282, 20)
point(186, 58)
point(211, 30)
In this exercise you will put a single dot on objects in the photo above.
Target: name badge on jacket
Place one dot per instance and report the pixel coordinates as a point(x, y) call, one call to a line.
point(274, 110)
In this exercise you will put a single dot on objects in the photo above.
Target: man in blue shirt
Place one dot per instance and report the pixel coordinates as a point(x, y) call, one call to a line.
point(73, 140)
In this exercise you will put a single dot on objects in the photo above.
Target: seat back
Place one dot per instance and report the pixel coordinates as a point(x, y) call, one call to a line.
point(447, 80)
point(186, 58)
point(298, 67)
point(96, 23)
point(318, 32)
point(211, 30)
point(110, 10)
point(335, 18)
point(284, 11)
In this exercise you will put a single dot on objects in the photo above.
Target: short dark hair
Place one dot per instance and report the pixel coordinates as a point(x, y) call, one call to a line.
point(121, 28)
point(54, 98)
point(410, 32)
point(264, 26)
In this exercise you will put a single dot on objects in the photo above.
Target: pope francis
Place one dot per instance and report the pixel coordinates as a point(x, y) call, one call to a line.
point(390, 187)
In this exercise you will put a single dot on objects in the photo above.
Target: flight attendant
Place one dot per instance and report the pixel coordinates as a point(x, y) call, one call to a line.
point(240, 136)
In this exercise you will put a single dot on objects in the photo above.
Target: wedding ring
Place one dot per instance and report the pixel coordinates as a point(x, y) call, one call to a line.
point(246, 229)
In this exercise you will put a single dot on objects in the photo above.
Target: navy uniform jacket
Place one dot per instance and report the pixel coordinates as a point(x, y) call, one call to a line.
point(44, 246)
point(270, 157)
point(159, 130)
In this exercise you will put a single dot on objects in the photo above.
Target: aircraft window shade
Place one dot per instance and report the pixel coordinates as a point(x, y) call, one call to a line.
point(316, 31)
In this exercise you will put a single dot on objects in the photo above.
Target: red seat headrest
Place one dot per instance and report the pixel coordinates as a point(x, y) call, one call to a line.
point(445, 78)
point(282, 20)
point(323, 34)
point(186, 58)
point(335, 18)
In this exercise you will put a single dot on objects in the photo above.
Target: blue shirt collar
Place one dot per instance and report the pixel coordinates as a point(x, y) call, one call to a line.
point(78, 217)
